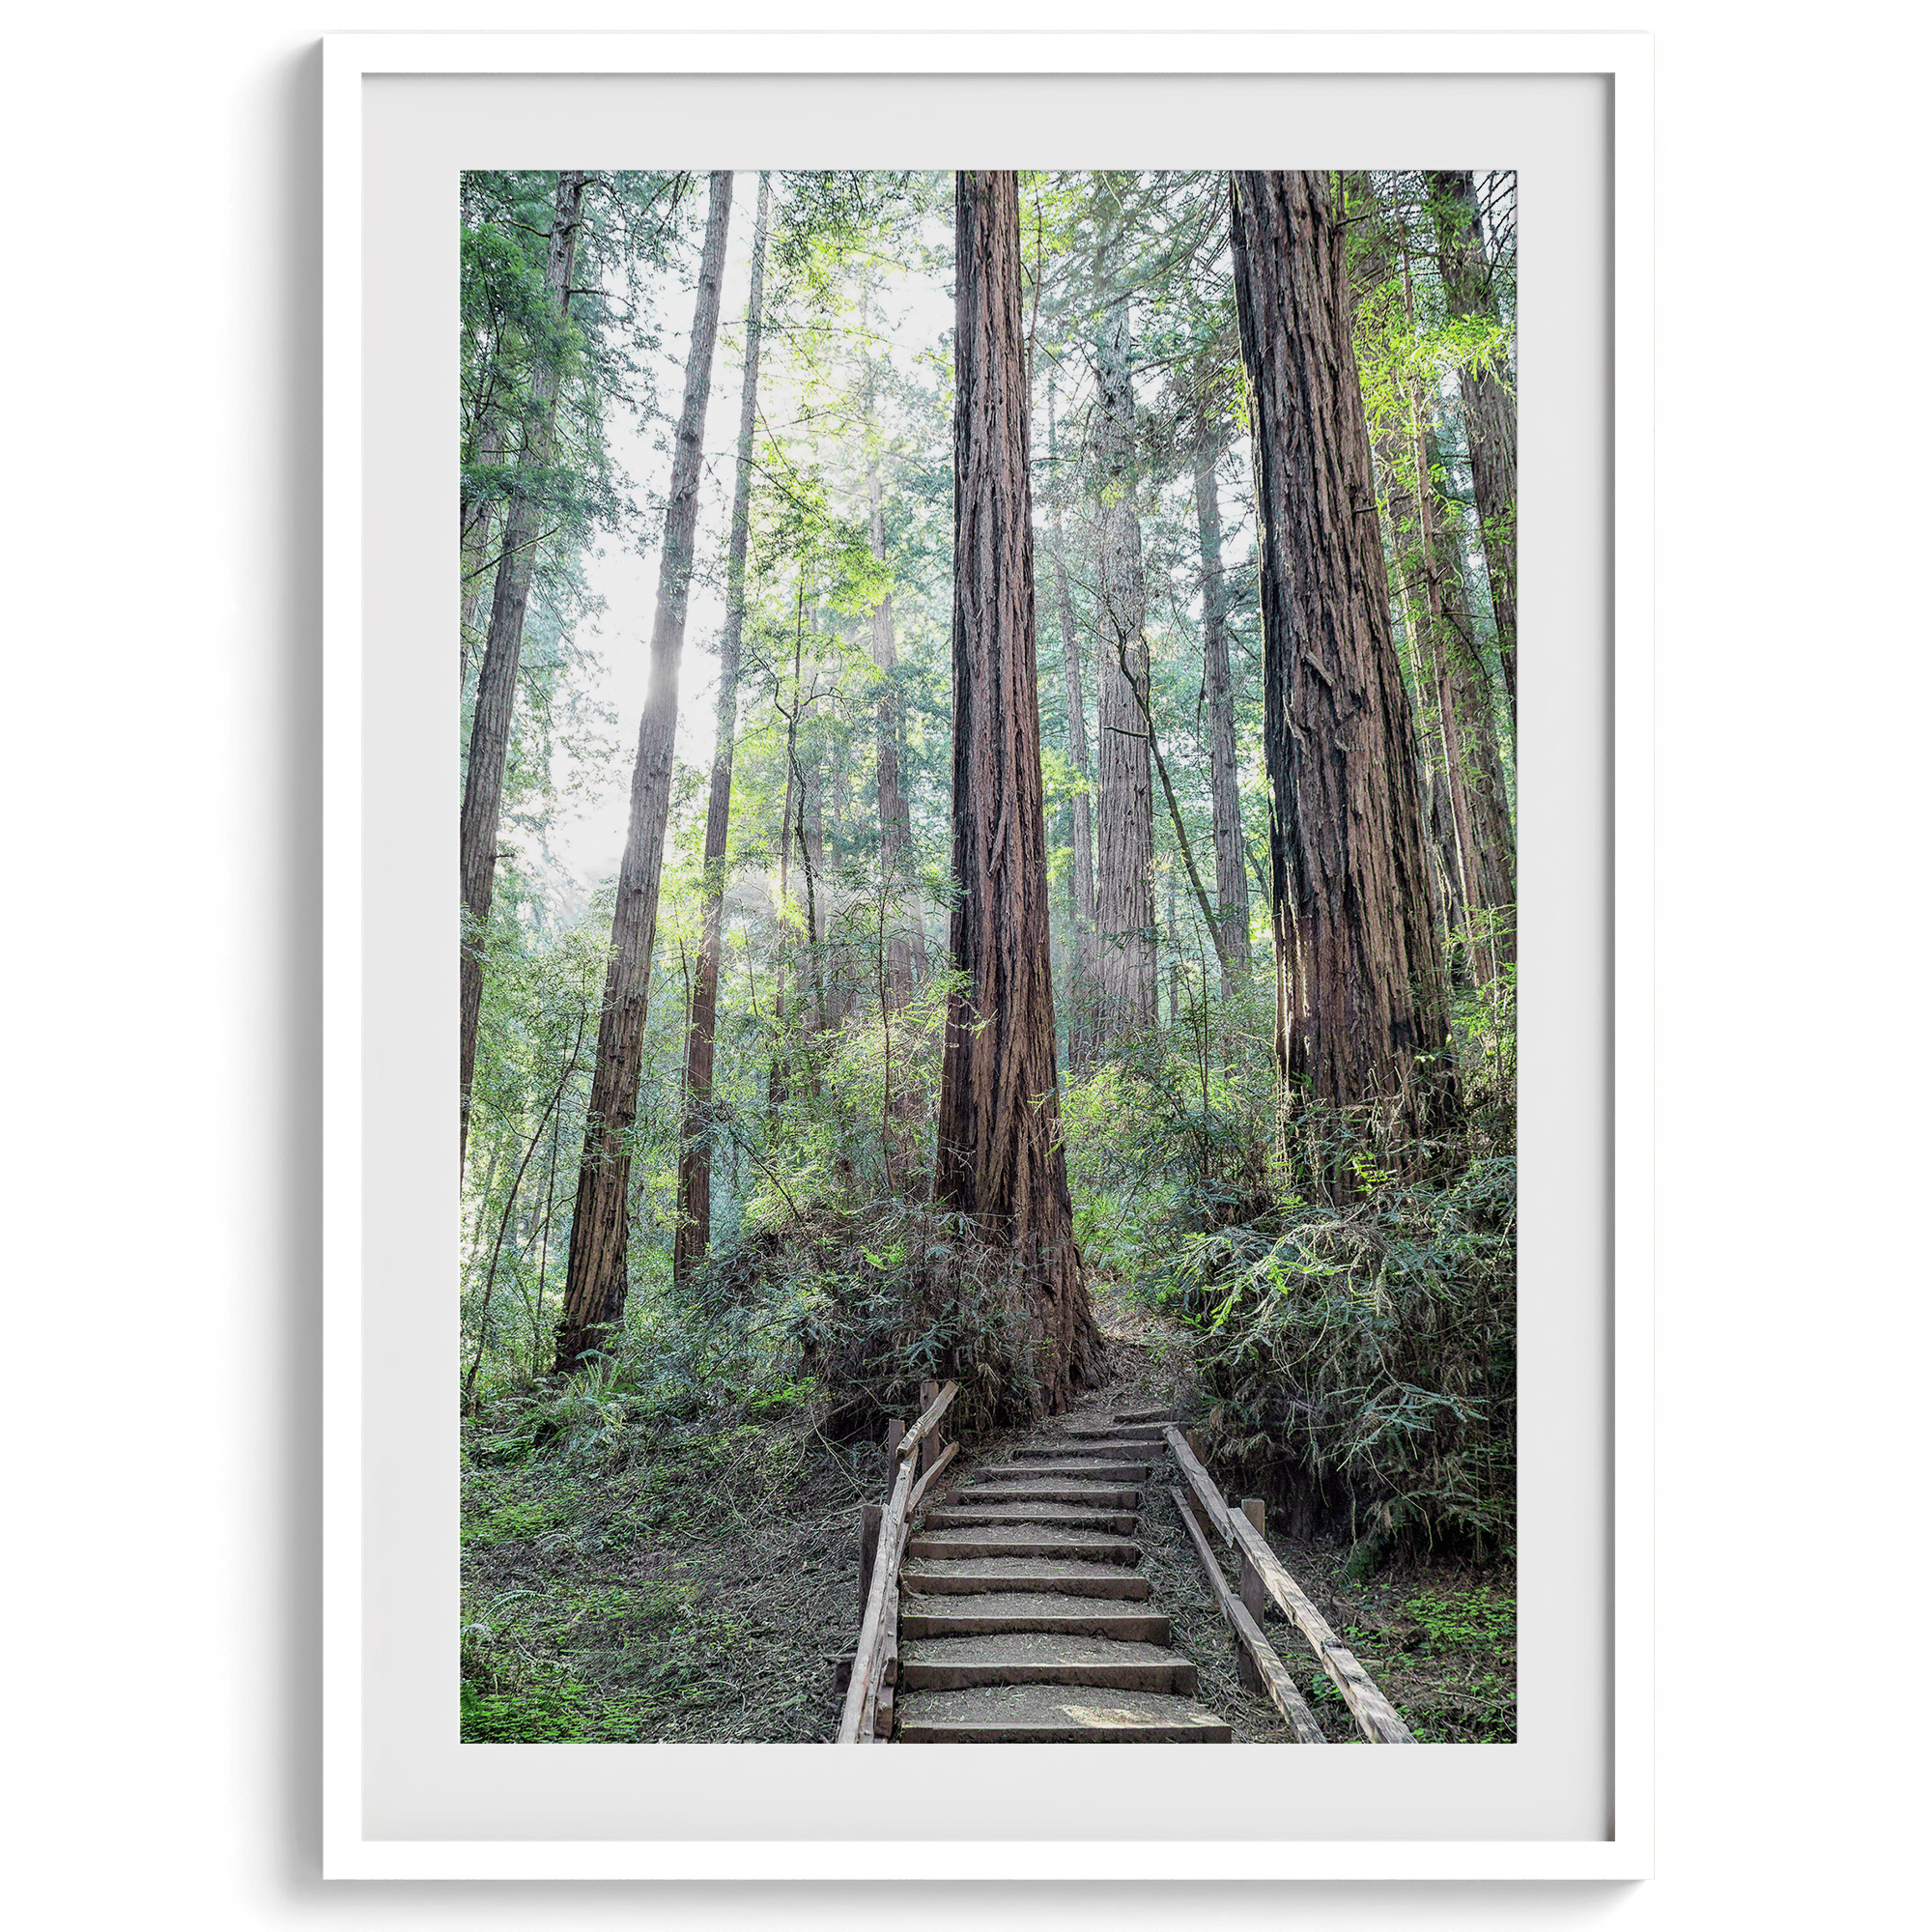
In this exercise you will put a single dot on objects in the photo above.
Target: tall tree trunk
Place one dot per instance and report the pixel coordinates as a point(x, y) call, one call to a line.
point(1123, 911)
point(1230, 875)
point(1472, 696)
point(1081, 960)
point(595, 1286)
point(818, 905)
point(496, 681)
point(777, 1088)
point(905, 964)
point(1489, 402)
point(1438, 814)
point(1464, 715)
point(1360, 960)
point(693, 1162)
point(478, 522)
point(1000, 1153)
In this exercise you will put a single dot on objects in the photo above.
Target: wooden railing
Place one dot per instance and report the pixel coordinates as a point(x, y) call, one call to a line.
point(1264, 1574)
point(875, 1660)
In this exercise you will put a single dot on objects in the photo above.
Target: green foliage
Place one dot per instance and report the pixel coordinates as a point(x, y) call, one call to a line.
point(1172, 1133)
point(544, 1714)
point(1483, 1618)
point(1360, 1354)
point(519, 1520)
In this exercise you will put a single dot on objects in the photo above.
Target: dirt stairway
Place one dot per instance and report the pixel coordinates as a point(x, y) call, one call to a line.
point(1023, 1614)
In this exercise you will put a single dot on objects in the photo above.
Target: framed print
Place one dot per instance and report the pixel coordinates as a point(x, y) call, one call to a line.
point(1007, 1193)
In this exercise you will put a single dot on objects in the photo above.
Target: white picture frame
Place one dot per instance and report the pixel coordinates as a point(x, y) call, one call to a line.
point(359, 950)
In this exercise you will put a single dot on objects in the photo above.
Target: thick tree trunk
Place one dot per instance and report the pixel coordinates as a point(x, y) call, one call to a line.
point(1124, 911)
point(595, 1286)
point(1000, 1153)
point(1081, 961)
point(496, 681)
point(1359, 959)
point(1230, 875)
point(1489, 403)
point(693, 1165)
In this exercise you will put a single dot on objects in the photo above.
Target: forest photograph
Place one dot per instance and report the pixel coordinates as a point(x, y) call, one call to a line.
point(986, 786)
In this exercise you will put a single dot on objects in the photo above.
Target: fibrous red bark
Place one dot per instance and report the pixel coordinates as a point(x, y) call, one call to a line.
point(1000, 1157)
point(1359, 962)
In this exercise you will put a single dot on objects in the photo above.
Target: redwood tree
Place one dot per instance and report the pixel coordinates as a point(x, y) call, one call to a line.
point(693, 1164)
point(1124, 908)
point(1231, 872)
point(1489, 403)
point(595, 1287)
point(1000, 1156)
point(1359, 970)
point(1081, 950)
point(496, 681)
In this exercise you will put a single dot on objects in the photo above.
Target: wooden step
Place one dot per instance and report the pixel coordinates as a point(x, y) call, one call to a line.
point(1106, 1432)
point(1024, 1540)
point(1040, 1573)
point(1093, 1495)
point(1031, 1714)
point(1133, 1415)
point(1068, 1516)
point(993, 1611)
point(1069, 1471)
point(1034, 1657)
point(1067, 1450)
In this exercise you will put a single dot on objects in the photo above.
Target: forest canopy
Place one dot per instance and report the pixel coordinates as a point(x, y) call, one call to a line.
point(988, 795)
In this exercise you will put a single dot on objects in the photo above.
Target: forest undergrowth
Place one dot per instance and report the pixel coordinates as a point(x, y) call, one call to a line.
point(664, 1545)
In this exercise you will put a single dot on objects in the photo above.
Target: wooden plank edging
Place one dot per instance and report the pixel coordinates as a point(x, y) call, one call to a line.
point(1374, 1714)
point(1280, 1685)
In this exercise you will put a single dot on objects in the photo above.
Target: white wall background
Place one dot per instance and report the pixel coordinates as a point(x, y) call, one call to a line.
point(160, 774)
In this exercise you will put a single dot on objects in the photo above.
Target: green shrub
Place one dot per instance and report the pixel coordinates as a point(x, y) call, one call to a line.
point(1361, 1357)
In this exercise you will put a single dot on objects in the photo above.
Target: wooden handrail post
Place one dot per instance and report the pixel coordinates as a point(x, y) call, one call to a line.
point(1378, 1718)
point(929, 1447)
point(895, 1430)
point(1254, 1594)
point(868, 1550)
point(1253, 1645)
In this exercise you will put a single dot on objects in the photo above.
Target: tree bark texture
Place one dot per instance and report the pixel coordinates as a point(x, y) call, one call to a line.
point(1000, 1157)
point(497, 680)
point(1469, 693)
point(595, 1286)
point(1489, 403)
point(693, 1164)
point(1231, 874)
point(1124, 911)
point(1360, 960)
point(1081, 962)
